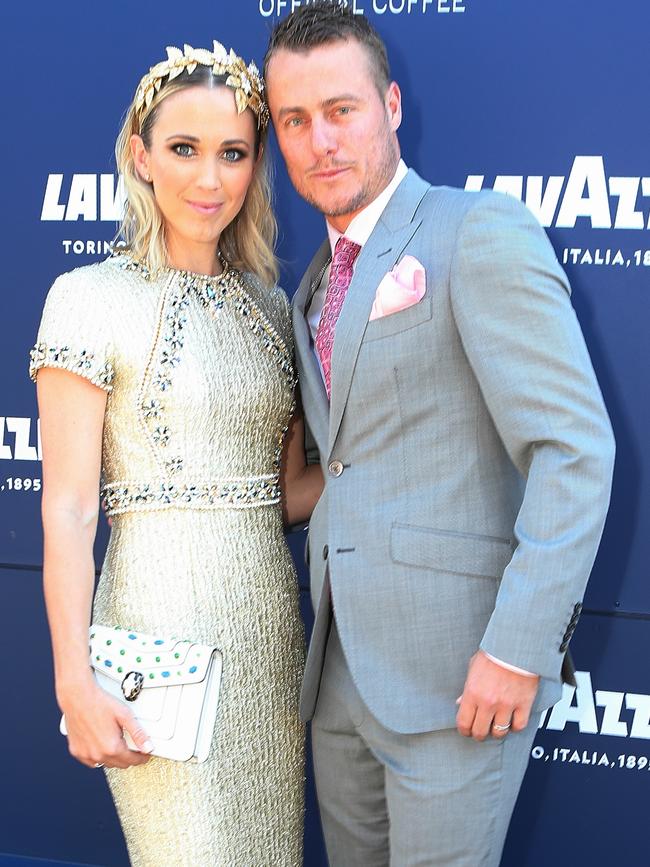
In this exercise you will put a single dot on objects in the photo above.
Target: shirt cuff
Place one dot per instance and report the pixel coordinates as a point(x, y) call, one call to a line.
point(510, 667)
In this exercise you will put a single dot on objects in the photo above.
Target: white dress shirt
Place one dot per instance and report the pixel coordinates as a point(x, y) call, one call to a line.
point(359, 230)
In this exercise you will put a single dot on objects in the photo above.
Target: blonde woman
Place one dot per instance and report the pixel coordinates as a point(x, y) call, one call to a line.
point(167, 370)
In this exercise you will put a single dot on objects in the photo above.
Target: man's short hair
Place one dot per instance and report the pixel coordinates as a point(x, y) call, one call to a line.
point(323, 22)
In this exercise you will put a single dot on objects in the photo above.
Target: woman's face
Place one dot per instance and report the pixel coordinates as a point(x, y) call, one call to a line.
point(201, 161)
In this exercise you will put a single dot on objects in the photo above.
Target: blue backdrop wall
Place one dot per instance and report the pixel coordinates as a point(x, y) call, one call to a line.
point(545, 101)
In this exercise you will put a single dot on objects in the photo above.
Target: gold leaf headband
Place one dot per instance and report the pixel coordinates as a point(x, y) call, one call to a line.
point(244, 80)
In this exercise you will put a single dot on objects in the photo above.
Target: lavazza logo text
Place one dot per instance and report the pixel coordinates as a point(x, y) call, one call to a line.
point(20, 439)
point(586, 192)
point(88, 197)
point(599, 712)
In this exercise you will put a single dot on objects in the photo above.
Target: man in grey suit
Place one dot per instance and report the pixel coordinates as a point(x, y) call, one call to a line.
point(468, 459)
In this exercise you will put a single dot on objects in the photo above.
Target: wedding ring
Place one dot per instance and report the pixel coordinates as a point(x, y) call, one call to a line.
point(99, 764)
point(499, 728)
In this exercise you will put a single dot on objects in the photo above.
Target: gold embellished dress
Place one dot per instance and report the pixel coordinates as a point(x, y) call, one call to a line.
point(200, 382)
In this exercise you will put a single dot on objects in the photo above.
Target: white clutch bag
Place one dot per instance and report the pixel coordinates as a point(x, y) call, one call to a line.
point(171, 686)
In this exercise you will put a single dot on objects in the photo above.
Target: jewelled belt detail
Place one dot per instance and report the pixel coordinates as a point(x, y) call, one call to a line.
point(120, 497)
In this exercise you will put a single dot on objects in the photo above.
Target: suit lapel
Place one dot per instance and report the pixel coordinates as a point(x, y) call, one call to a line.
point(381, 252)
point(312, 387)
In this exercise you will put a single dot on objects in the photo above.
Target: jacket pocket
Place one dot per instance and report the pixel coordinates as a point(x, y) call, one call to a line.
point(403, 320)
point(449, 551)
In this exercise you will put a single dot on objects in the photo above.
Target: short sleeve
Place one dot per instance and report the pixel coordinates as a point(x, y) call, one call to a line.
point(74, 333)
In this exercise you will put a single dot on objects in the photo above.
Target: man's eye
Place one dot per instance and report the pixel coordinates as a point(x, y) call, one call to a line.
point(294, 121)
point(344, 109)
point(183, 150)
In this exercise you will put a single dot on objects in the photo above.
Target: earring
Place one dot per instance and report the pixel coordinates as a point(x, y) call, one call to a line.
point(147, 178)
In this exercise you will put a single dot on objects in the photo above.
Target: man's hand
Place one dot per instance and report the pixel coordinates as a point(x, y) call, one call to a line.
point(494, 696)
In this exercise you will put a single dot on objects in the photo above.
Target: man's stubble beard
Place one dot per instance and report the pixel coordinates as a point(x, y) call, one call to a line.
point(377, 181)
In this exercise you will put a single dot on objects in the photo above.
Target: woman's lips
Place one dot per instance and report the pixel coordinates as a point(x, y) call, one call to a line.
point(205, 207)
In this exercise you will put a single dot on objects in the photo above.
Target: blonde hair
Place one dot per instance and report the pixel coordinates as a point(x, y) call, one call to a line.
point(247, 243)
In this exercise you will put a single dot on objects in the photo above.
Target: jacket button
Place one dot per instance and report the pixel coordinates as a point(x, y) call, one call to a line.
point(335, 469)
point(326, 551)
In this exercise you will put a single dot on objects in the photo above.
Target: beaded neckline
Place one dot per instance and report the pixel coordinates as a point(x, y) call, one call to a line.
point(130, 263)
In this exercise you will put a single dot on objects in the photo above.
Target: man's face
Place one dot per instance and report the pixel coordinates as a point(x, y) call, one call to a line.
point(336, 133)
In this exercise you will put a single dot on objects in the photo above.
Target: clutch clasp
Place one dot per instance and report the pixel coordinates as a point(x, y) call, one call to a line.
point(132, 685)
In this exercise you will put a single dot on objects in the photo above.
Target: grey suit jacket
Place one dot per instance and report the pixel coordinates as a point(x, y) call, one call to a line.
point(468, 458)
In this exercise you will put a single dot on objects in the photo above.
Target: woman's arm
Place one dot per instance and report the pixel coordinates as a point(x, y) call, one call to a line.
point(72, 417)
point(301, 483)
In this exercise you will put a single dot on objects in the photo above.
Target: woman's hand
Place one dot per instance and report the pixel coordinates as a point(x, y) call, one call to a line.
point(95, 722)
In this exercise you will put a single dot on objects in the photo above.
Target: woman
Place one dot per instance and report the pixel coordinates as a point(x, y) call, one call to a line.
point(168, 368)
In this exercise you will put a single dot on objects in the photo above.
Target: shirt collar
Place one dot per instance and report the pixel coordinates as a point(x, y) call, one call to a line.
point(361, 227)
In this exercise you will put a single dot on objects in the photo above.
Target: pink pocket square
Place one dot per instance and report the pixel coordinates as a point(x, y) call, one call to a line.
point(402, 287)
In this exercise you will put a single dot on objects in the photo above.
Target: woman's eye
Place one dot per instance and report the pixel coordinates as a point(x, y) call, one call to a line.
point(233, 156)
point(183, 150)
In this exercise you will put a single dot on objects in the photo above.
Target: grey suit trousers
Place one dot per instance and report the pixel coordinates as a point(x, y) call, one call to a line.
point(408, 800)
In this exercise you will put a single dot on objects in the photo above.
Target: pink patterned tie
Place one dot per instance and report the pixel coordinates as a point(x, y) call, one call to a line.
point(345, 253)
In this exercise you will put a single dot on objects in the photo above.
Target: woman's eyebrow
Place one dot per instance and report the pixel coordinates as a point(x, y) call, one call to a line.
point(192, 138)
point(182, 135)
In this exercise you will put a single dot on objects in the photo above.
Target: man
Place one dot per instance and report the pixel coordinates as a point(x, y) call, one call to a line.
point(468, 459)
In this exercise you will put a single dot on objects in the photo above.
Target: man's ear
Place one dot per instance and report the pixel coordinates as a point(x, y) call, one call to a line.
point(393, 102)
